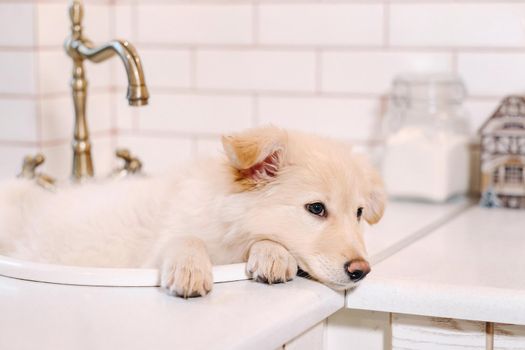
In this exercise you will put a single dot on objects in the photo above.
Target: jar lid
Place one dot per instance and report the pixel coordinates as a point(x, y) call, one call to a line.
point(434, 88)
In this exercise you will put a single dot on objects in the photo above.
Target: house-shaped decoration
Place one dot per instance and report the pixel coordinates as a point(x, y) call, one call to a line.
point(503, 156)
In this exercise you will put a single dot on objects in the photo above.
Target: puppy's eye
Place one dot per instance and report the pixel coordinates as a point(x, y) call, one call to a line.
point(359, 212)
point(316, 208)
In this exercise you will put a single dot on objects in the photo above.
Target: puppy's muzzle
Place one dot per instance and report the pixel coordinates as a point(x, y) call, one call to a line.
point(357, 269)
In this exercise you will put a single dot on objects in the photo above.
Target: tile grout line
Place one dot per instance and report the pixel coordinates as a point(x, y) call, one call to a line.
point(19, 143)
point(134, 22)
point(36, 72)
point(255, 22)
point(193, 68)
point(194, 139)
point(299, 2)
point(291, 47)
point(255, 110)
point(113, 106)
point(236, 92)
point(161, 134)
point(135, 120)
point(318, 71)
point(455, 65)
point(386, 24)
point(48, 143)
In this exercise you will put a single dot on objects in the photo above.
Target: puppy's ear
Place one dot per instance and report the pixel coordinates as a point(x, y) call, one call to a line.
point(375, 206)
point(375, 193)
point(256, 155)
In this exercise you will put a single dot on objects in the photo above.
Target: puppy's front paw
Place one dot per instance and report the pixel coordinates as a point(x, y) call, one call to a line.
point(270, 262)
point(187, 276)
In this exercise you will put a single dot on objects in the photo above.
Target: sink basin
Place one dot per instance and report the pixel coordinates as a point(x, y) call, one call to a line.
point(96, 276)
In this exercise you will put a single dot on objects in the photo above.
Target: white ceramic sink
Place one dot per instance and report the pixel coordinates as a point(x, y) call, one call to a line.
point(96, 276)
point(402, 224)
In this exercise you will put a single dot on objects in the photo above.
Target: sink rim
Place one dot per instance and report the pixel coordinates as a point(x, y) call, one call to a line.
point(101, 276)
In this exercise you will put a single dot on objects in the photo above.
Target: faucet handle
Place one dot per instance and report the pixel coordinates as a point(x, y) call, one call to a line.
point(29, 166)
point(132, 164)
point(76, 13)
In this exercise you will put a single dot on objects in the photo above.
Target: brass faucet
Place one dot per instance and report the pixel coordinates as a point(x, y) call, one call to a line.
point(79, 48)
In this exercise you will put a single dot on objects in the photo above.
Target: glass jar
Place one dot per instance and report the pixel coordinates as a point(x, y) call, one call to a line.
point(426, 153)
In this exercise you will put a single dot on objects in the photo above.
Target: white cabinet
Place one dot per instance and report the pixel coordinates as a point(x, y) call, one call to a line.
point(433, 333)
point(356, 329)
point(350, 329)
point(509, 337)
point(312, 339)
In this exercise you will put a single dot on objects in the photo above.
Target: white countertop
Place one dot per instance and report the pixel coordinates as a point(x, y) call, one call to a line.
point(471, 268)
point(405, 222)
point(237, 315)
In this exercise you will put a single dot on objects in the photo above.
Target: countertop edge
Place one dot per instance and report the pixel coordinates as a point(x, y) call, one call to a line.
point(439, 300)
point(286, 329)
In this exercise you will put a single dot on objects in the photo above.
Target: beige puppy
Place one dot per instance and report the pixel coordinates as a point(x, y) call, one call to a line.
point(278, 200)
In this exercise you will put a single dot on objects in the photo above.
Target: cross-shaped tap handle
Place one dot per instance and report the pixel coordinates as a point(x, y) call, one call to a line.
point(131, 163)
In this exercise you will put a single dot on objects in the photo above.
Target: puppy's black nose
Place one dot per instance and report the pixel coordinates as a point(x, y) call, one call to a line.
point(357, 269)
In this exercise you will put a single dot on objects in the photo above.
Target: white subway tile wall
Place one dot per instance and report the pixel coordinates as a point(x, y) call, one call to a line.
point(158, 152)
point(18, 72)
point(489, 74)
point(18, 119)
point(18, 21)
point(196, 114)
point(478, 110)
point(336, 117)
point(165, 68)
point(343, 71)
point(194, 23)
point(215, 67)
point(208, 147)
point(472, 24)
point(321, 24)
point(255, 70)
point(126, 117)
point(123, 21)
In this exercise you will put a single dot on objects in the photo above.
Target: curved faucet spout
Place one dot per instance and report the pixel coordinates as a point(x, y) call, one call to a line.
point(137, 91)
point(79, 48)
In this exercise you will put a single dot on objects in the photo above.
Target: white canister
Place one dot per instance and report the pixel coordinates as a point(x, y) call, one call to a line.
point(426, 154)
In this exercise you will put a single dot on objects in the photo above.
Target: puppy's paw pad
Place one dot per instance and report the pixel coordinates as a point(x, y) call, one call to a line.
point(187, 277)
point(270, 263)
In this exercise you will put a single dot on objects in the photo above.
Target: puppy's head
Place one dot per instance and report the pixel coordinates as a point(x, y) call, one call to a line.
point(311, 195)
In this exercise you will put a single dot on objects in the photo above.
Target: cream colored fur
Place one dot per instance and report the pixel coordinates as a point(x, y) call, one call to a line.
point(248, 205)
